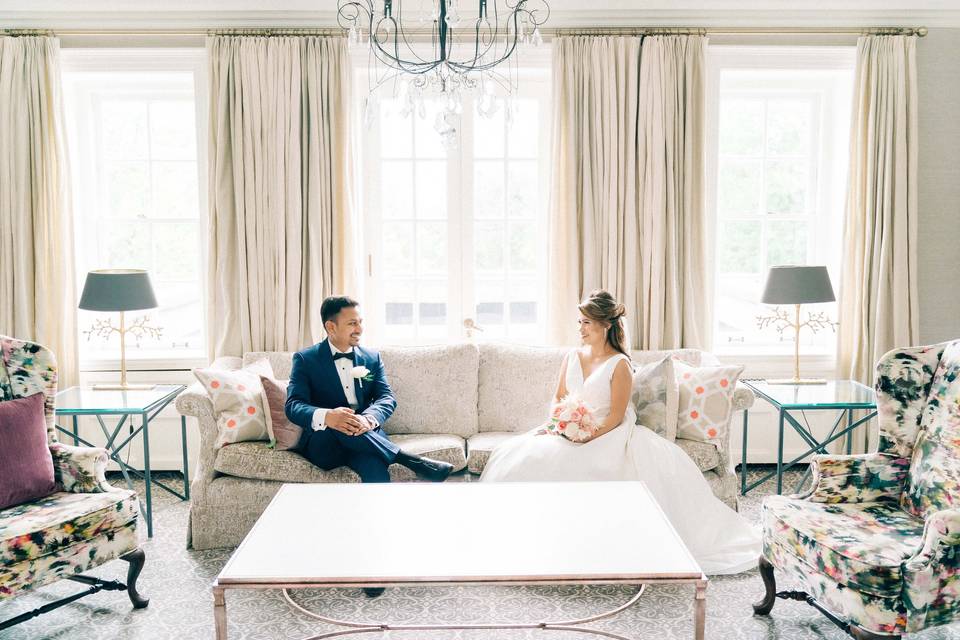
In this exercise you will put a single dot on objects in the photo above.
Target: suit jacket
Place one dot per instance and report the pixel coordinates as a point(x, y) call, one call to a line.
point(315, 382)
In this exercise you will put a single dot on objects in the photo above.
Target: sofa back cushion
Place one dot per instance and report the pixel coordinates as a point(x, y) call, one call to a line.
point(435, 388)
point(933, 482)
point(280, 362)
point(26, 465)
point(517, 384)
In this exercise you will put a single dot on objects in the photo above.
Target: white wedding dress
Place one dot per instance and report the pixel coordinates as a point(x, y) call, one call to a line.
point(719, 538)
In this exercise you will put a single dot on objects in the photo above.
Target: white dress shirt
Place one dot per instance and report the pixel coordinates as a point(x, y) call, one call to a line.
point(345, 371)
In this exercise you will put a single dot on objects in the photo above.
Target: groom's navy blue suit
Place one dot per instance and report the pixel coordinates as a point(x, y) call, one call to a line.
point(315, 383)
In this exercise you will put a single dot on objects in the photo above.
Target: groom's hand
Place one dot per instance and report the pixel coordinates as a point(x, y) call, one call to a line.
point(346, 421)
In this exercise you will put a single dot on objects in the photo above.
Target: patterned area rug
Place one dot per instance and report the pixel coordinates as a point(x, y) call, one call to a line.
point(177, 581)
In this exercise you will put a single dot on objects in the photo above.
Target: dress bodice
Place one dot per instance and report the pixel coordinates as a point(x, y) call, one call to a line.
point(595, 388)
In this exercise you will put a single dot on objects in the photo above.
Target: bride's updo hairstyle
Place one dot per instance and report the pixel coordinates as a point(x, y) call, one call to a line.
point(600, 306)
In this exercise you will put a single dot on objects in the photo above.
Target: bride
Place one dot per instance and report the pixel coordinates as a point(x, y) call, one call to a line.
point(600, 374)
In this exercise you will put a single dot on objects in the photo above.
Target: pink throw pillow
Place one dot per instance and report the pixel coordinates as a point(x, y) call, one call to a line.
point(284, 434)
point(26, 465)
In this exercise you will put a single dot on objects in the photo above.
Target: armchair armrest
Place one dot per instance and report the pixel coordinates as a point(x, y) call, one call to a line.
point(80, 469)
point(867, 477)
point(931, 572)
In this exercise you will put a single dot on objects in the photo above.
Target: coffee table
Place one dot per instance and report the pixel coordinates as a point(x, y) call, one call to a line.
point(460, 534)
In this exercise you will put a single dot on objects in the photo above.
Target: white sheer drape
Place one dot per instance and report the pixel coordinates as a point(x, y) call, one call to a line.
point(626, 210)
point(878, 293)
point(281, 181)
point(37, 280)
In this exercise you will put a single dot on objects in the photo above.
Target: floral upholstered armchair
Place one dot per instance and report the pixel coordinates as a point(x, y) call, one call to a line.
point(85, 523)
point(877, 539)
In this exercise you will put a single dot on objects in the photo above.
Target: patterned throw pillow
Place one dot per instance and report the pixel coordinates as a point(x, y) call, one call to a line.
point(237, 401)
point(284, 435)
point(655, 396)
point(706, 400)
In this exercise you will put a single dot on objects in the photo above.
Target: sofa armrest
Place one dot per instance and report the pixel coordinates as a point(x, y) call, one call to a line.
point(80, 469)
point(743, 398)
point(866, 477)
point(194, 401)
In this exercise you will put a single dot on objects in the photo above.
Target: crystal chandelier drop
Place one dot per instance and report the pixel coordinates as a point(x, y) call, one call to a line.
point(443, 50)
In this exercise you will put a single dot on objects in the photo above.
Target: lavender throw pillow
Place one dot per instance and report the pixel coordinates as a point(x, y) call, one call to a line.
point(26, 466)
point(284, 435)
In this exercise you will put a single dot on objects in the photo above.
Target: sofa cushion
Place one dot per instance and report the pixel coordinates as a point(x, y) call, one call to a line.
point(435, 388)
point(860, 545)
point(284, 435)
point(26, 466)
point(34, 529)
point(237, 398)
point(704, 454)
point(256, 460)
point(517, 384)
point(656, 396)
point(706, 401)
point(481, 445)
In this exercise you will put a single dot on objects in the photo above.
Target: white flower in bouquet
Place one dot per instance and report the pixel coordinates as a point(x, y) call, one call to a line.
point(361, 373)
point(573, 419)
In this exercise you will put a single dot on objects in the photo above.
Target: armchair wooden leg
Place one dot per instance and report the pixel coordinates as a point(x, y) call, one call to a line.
point(765, 605)
point(863, 634)
point(136, 559)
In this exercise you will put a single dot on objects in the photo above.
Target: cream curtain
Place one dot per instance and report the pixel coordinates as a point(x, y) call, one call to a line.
point(626, 210)
point(37, 286)
point(280, 189)
point(878, 292)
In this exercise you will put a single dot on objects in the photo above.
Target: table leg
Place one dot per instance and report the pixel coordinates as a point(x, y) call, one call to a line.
point(700, 610)
point(220, 613)
point(146, 473)
point(849, 432)
point(780, 456)
point(743, 457)
point(183, 446)
point(76, 432)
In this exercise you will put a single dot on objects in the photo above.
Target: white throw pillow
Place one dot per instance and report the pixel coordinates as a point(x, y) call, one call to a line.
point(706, 401)
point(237, 401)
point(656, 396)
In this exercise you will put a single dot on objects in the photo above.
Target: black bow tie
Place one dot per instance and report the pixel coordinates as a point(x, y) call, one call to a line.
point(348, 355)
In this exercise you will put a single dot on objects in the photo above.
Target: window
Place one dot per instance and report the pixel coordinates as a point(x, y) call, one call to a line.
point(777, 160)
point(455, 236)
point(135, 161)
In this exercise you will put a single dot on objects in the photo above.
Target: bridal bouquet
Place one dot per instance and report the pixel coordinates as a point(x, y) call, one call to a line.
point(572, 419)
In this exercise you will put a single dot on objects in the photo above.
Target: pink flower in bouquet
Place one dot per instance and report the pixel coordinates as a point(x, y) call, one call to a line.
point(572, 419)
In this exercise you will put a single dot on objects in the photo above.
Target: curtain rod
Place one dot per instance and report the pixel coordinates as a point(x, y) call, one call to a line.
point(589, 31)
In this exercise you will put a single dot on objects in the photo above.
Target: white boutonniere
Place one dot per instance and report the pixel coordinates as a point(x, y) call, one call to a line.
point(361, 374)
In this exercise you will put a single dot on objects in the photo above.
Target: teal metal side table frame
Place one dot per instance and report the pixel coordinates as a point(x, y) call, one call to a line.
point(845, 396)
point(84, 401)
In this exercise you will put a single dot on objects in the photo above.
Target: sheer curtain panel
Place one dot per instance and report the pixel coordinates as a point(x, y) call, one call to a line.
point(37, 282)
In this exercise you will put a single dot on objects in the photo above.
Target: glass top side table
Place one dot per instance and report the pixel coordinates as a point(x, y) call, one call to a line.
point(843, 396)
point(125, 405)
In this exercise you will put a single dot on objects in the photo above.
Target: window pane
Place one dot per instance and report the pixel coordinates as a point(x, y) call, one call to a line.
point(523, 246)
point(740, 247)
point(399, 302)
point(489, 134)
point(426, 141)
point(396, 194)
point(524, 189)
point(431, 247)
point(177, 247)
point(398, 247)
point(788, 127)
point(396, 131)
point(127, 186)
point(523, 302)
point(523, 134)
point(179, 316)
point(172, 130)
point(175, 190)
point(741, 126)
point(738, 307)
point(488, 189)
point(399, 312)
point(738, 187)
point(126, 245)
point(431, 194)
point(123, 129)
point(786, 242)
point(786, 186)
point(488, 246)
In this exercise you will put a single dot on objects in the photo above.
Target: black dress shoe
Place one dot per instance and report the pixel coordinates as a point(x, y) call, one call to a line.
point(373, 592)
point(432, 470)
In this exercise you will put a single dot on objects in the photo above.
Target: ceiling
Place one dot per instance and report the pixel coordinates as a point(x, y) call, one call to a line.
point(564, 13)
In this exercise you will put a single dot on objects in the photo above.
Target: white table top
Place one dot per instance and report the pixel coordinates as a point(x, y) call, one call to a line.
point(389, 534)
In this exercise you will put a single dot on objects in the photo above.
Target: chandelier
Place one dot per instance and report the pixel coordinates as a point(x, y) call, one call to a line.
point(442, 50)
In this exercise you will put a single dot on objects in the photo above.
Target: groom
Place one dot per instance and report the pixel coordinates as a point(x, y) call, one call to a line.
point(341, 414)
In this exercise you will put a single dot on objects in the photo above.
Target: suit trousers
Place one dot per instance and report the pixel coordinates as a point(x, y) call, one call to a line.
point(369, 454)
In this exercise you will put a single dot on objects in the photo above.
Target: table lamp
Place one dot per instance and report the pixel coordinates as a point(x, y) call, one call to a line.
point(796, 285)
point(119, 290)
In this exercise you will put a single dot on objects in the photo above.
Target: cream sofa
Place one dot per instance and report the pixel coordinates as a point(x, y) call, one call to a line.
point(454, 403)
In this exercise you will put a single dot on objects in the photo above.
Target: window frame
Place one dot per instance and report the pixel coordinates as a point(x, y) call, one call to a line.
point(831, 157)
point(123, 59)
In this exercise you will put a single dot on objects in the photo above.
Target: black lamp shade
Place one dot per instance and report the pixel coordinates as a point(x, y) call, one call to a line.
point(790, 284)
point(117, 290)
